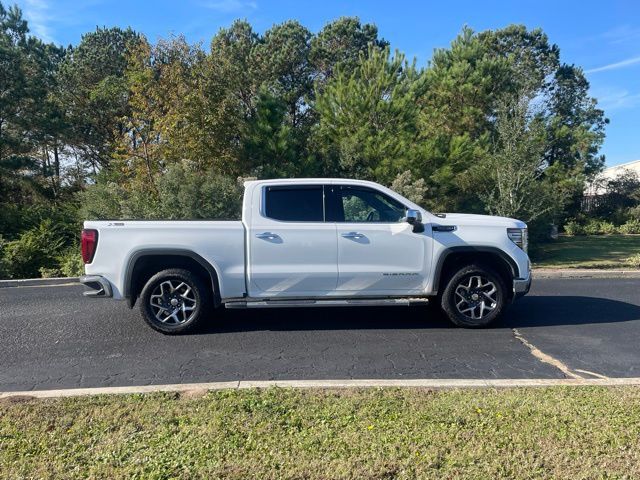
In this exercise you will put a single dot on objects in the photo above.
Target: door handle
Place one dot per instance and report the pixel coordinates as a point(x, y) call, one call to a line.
point(354, 235)
point(267, 235)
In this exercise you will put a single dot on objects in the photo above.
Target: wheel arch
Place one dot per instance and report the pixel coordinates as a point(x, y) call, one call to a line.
point(454, 258)
point(143, 264)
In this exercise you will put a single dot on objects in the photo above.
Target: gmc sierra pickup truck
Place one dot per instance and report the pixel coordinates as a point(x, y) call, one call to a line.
point(307, 243)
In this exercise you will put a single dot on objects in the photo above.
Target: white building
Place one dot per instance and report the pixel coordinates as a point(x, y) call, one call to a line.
point(597, 188)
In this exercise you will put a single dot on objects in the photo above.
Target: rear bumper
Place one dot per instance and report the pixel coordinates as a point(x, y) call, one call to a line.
point(98, 286)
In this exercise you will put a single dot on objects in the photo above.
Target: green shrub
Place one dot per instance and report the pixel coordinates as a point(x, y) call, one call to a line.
point(34, 249)
point(49, 272)
point(4, 273)
point(633, 260)
point(599, 227)
point(631, 227)
point(633, 213)
point(607, 228)
point(182, 193)
point(70, 263)
point(572, 228)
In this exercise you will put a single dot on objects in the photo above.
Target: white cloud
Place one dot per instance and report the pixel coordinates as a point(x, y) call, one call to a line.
point(622, 34)
point(616, 99)
point(614, 66)
point(38, 16)
point(230, 6)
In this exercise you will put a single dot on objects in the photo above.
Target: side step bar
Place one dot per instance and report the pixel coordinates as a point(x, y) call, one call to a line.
point(362, 302)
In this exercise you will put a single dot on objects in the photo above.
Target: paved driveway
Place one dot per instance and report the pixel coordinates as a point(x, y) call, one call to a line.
point(52, 337)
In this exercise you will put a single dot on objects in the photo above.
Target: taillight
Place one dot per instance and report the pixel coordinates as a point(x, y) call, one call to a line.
point(89, 242)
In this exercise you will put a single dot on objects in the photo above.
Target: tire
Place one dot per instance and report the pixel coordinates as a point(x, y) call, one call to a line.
point(474, 297)
point(175, 301)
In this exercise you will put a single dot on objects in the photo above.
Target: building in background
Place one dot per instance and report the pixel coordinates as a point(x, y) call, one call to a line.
point(599, 185)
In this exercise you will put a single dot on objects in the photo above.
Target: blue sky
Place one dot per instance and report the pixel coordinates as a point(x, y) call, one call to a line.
point(602, 37)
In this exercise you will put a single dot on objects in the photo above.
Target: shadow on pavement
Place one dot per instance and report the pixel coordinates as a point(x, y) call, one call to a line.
point(544, 311)
point(540, 311)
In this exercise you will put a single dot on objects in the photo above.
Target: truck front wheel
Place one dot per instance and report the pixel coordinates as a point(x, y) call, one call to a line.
point(474, 297)
point(174, 301)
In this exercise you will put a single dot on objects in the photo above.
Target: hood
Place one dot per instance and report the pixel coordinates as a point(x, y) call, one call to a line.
point(480, 220)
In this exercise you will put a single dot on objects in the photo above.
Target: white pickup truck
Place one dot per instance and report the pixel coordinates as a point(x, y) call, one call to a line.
point(307, 243)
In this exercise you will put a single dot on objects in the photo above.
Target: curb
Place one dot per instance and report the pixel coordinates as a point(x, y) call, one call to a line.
point(584, 273)
point(35, 282)
point(328, 384)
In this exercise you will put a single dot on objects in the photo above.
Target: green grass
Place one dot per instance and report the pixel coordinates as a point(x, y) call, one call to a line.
point(591, 251)
point(583, 432)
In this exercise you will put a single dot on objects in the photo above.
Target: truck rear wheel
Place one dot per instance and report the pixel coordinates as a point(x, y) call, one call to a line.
point(474, 297)
point(174, 301)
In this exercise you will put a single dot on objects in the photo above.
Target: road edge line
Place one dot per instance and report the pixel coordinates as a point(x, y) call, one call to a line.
point(39, 282)
point(577, 273)
point(450, 383)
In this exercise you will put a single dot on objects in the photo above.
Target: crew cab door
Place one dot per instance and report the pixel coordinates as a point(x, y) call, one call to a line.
point(292, 250)
point(378, 253)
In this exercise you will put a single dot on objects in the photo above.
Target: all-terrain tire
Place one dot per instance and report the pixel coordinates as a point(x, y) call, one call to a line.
point(474, 297)
point(175, 301)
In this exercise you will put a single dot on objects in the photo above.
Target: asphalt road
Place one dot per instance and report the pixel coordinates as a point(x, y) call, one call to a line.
point(52, 337)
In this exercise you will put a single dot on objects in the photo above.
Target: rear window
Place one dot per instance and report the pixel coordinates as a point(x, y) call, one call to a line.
point(295, 204)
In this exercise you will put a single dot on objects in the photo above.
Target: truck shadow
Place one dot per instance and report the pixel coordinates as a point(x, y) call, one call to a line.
point(533, 311)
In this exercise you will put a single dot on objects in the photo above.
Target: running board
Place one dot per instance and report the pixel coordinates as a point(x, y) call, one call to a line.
point(363, 302)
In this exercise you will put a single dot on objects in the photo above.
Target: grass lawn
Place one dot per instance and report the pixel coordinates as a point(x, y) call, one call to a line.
point(564, 432)
point(590, 251)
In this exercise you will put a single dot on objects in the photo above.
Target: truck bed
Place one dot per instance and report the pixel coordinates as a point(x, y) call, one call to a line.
point(221, 243)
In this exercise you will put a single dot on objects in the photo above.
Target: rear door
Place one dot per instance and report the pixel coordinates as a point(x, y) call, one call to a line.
point(378, 253)
point(292, 250)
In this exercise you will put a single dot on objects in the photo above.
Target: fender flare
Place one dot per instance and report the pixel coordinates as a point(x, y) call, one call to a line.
point(146, 252)
point(437, 272)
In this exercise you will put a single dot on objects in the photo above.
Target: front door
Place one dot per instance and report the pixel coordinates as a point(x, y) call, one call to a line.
point(292, 251)
point(378, 253)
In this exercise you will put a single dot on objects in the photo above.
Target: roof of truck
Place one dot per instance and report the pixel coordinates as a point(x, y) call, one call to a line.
point(310, 180)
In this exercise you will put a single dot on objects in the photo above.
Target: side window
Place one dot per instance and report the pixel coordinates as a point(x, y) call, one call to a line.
point(356, 204)
point(304, 203)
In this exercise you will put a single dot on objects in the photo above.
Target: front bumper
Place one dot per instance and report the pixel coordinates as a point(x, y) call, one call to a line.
point(521, 286)
point(99, 286)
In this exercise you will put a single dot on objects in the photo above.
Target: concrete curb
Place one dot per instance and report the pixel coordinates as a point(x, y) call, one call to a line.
point(36, 282)
point(583, 273)
point(328, 384)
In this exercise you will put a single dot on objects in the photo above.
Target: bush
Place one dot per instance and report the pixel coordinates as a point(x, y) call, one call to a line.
point(633, 213)
point(572, 228)
point(50, 272)
point(631, 227)
point(599, 227)
point(34, 249)
point(634, 260)
point(70, 263)
point(182, 193)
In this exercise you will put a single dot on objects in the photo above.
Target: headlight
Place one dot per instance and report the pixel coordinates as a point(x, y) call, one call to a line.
point(519, 236)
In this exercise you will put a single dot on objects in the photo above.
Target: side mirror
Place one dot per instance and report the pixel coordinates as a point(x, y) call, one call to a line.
point(413, 217)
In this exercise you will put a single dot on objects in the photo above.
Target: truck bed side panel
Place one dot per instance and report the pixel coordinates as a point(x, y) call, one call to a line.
point(219, 243)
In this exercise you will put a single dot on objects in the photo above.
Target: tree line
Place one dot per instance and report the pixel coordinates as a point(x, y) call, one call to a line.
point(121, 127)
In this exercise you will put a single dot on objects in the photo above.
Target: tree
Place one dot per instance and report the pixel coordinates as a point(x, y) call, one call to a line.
point(514, 179)
point(93, 90)
point(339, 45)
point(368, 116)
